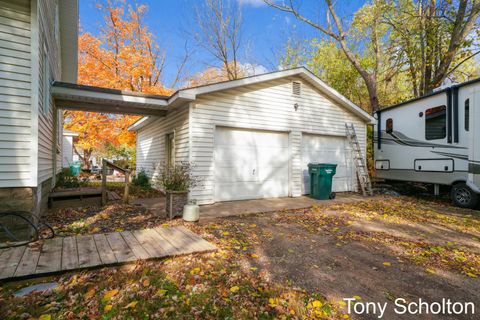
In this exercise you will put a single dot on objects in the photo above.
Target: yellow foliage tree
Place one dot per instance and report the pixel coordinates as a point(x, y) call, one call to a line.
point(124, 56)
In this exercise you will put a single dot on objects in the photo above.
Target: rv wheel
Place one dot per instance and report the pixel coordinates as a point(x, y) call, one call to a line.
point(463, 196)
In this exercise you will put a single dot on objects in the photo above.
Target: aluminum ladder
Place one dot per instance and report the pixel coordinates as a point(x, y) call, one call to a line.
point(359, 160)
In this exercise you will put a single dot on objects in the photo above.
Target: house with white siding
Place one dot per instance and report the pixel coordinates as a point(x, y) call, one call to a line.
point(254, 137)
point(37, 46)
point(247, 138)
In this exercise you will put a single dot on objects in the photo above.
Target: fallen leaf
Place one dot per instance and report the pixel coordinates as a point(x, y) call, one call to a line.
point(195, 271)
point(146, 282)
point(107, 308)
point(273, 302)
point(90, 293)
point(253, 255)
point(45, 317)
point(161, 292)
point(234, 289)
point(109, 294)
point(429, 270)
point(387, 264)
point(131, 305)
point(317, 304)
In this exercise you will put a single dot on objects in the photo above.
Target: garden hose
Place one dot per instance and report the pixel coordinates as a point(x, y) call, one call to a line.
point(36, 229)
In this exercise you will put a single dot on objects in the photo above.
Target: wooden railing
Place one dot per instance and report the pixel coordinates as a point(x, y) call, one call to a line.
point(105, 165)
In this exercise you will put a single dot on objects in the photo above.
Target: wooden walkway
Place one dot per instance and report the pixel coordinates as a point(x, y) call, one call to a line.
point(87, 251)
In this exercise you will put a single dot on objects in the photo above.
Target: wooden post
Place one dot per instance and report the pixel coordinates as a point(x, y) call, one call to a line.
point(104, 182)
point(127, 182)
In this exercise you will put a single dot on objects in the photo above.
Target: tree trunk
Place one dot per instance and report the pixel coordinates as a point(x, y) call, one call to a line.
point(371, 84)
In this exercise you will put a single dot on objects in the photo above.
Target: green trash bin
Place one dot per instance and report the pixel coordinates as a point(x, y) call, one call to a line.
point(75, 168)
point(321, 175)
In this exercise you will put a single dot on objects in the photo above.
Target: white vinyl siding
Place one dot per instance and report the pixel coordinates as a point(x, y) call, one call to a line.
point(15, 94)
point(151, 147)
point(265, 106)
point(47, 115)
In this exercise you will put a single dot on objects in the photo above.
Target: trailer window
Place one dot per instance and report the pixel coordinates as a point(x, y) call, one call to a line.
point(389, 126)
point(436, 123)
point(467, 114)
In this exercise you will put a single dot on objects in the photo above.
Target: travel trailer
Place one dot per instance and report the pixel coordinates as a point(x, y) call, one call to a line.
point(433, 139)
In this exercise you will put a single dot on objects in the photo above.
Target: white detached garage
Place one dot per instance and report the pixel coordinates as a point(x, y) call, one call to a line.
point(254, 137)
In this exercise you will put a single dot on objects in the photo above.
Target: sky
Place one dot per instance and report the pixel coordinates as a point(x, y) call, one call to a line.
point(264, 32)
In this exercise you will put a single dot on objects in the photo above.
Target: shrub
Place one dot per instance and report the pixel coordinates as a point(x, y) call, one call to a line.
point(66, 179)
point(176, 178)
point(142, 180)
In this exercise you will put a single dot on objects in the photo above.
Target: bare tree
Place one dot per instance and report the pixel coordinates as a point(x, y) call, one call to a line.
point(219, 23)
point(340, 35)
point(436, 67)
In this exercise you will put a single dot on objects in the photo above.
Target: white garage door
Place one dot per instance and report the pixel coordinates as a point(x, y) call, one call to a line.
point(250, 164)
point(327, 149)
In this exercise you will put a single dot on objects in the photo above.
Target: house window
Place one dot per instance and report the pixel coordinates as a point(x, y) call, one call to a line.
point(296, 88)
point(389, 125)
point(46, 82)
point(170, 149)
point(467, 115)
point(436, 123)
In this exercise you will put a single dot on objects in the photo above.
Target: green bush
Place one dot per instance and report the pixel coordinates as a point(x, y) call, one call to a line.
point(66, 179)
point(141, 180)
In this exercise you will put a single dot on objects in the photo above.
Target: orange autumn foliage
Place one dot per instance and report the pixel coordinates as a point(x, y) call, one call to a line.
point(124, 56)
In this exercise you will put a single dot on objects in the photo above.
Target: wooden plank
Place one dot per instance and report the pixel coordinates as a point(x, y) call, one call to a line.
point(161, 241)
point(69, 253)
point(178, 239)
point(144, 237)
point(50, 259)
point(136, 247)
point(87, 252)
point(104, 250)
point(120, 248)
point(29, 262)
point(9, 260)
point(179, 242)
point(76, 192)
point(200, 243)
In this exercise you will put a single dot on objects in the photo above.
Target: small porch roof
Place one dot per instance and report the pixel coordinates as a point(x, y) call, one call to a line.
point(71, 96)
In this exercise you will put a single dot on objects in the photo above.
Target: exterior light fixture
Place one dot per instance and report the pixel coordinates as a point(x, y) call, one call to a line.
point(295, 106)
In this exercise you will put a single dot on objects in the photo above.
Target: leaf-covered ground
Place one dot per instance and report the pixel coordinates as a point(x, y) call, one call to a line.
point(110, 218)
point(286, 265)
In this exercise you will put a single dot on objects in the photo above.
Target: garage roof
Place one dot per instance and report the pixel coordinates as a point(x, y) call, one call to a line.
point(301, 71)
point(95, 99)
point(190, 94)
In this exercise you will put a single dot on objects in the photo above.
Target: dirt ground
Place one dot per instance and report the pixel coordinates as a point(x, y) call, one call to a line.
point(289, 264)
point(325, 260)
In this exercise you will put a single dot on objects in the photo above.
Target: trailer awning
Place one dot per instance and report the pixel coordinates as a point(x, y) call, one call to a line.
point(95, 99)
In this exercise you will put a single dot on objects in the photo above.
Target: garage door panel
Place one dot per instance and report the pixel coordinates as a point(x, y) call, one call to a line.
point(250, 164)
point(242, 191)
point(327, 149)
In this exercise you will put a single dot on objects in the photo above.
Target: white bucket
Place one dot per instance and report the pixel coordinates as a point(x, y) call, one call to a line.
point(191, 212)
